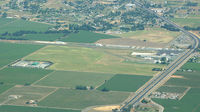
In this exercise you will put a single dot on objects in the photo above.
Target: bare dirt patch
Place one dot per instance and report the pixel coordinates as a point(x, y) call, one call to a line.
point(107, 108)
point(159, 37)
point(177, 76)
point(131, 42)
point(19, 85)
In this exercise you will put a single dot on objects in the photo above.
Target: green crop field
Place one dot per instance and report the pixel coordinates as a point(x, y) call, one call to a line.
point(73, 79)
point(86, 37)
point(189, 103)
point(13, 25)
point(193, 22)
point(25, 93)
point(186, 79)
point(10, 108)
point(79, 99)
point(4, 21)
point(21, 75)
point(11, 52)
point(89, 60)
point(5, 87)
point(128, 83)
point(197, 109)
point(172, 89)
point(193, 66)
point(43, 37)
point(189, 79)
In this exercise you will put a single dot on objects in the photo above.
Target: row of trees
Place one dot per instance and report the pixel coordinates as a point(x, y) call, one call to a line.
point(192, 28)
point(23, 32)
point(81, 27)
point(80, 87)
point(18, 35)
point(170, 27)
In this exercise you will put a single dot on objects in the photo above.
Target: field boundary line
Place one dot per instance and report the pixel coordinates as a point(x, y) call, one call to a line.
point(20, 58)
point(104, 82)
point(8, 90)
point(5, 101)
point(5, 66)
point(4, 93)
point(9, 23)
point(34, 52)
point(42, 78)
point(9, 64)
point(48, 94)
point(43, 107)
point(184, 93)
point(51, 87)
point(178, 86)
point(194, 110)
point(69, 88)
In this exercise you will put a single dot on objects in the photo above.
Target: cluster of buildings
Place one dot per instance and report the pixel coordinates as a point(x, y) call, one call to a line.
point(165, 95)
point(153, 55)
point(31, 64)
point(159, 56)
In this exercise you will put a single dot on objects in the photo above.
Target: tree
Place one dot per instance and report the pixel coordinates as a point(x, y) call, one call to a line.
point(104, 89)
point(4, 15)
point(163, 60)
point(81, 87)
point(1, 83)
point(91, 87)
point(27, 84)
point(170, 27)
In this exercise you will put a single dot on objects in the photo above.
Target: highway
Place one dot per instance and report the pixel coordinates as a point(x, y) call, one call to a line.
point(163, 76)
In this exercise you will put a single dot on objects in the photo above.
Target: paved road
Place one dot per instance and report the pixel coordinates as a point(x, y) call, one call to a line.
point(162, 77)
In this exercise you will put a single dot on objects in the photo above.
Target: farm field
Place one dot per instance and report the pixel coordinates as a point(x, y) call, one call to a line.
point(129, 83)
point(12, 75)
point(173, 3)
point(186, 79)
point(13, 25)
point(190, 79)
point(11, 52)
point(193, 22)
point(73, 79)
point(189, 103)
point(4, 21)
point(79, 99)
point(194, 16)
point(43, 37)
point(193, 66)
point(25, 94)
point(172, 89)
point(89, 60)
point(86, 37)
point(155, 35)
point(10, 108)
point(5, 87)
